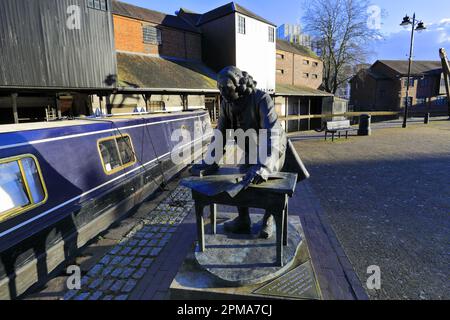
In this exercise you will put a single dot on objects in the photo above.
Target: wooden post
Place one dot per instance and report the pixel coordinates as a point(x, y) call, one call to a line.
point(309, 113)
point(299, 107)
point(146, 97)
point(286, 108)
point(14, 107)
point(58, 108)
point(102, 107)
point(108, 105)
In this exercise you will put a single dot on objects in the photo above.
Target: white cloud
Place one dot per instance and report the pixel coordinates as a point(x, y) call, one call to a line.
point(426, 46)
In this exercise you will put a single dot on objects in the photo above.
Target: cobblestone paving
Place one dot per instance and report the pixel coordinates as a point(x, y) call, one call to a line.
point(387, 198)
point(119, 271)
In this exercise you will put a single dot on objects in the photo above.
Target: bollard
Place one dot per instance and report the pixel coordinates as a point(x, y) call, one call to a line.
point(426, 119)
point(364, 125)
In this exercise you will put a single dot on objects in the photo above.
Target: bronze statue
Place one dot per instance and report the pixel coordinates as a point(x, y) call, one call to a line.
point(245, 107)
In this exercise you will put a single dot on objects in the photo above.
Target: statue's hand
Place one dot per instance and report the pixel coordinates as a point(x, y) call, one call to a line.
point(254, 177)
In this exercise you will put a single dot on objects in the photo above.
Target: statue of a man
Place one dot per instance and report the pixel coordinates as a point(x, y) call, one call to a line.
point(245, 107)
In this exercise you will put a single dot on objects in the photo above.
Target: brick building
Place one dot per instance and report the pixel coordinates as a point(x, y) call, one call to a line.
point(159, 62)
point(297, 65)
point(299, 73)
point(382, 87)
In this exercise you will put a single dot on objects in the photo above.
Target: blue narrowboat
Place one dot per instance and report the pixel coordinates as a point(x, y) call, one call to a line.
point(62, 183)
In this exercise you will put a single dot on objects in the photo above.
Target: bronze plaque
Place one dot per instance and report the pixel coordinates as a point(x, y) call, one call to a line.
point(299, 283)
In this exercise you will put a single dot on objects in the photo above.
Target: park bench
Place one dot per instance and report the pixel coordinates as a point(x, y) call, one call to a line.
point(339, 126)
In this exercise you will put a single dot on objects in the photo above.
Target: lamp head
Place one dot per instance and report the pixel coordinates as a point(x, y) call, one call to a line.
point(406, 21)
point(421, 26)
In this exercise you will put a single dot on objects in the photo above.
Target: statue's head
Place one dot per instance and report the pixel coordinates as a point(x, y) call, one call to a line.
point(234, 83)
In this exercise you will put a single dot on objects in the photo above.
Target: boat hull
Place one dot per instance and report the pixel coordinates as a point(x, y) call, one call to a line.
point(83, 200)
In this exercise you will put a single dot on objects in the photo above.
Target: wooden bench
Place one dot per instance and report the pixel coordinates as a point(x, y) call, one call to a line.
point(334, 127)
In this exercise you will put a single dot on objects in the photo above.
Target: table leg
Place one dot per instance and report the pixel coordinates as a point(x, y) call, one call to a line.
point(213, 218)
point(279, 221)
point(200, 226)
point(286, 217)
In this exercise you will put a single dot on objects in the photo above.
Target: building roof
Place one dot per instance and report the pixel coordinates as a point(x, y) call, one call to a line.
point(227, 9)
point(295, 48)
point(131, 11)
point(136, 71)
point(417, 67)
point(362, 73)
point(189, 16)
point(291, 90)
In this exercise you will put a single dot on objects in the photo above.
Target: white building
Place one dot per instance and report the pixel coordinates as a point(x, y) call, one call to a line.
point(293, 33)
point(233, 35)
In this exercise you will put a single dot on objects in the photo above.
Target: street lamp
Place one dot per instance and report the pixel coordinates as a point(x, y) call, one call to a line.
point(415, 26)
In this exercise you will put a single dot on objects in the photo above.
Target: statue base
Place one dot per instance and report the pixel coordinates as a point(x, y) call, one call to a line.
point(243, 267)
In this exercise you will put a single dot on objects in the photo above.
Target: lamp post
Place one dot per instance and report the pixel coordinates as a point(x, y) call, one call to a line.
point(415, 26)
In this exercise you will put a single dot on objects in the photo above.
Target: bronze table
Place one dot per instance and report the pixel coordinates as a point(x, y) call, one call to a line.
point(272, 196)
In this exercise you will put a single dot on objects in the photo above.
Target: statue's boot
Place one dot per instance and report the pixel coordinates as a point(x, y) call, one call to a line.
point(240, 225)
point(267, 227)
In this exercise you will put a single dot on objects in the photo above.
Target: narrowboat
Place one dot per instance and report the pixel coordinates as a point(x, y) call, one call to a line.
point(64, 182)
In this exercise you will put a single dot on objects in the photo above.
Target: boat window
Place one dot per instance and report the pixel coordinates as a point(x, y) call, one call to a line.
point(21, 185)
point(126, 152)
point(116, 153)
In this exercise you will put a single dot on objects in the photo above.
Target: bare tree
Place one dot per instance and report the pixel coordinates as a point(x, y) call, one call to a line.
point(343, 36)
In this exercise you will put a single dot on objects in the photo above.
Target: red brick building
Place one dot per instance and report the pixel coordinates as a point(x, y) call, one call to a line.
point(298, 66)
point(382, 87)
point(159, 62)
point(146, 31)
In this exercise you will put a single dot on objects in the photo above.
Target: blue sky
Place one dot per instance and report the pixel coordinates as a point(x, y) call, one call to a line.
point(395, 45)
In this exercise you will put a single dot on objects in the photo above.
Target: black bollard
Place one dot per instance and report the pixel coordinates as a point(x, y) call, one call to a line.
point(364, 125)
point(426, 119)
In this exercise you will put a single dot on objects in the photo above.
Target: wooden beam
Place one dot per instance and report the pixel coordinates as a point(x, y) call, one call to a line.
point(346, 114)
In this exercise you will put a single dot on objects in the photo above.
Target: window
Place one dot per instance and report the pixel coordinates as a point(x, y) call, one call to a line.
point(22, 187)
point(315, 64)
point(280, 56)
point(411, 82)
point(116, 153)
point(271, 34)
point(306, 62)
point(305, 75)
point(241, 24)
point(280, 71)
point(152, 35)
point(97, 4)
point(315, 76)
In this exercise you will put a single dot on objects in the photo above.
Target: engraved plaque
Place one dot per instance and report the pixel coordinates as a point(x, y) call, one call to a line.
point(299, 283)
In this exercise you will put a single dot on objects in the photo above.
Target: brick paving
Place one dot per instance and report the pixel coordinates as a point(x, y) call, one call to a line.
point(118, 272)
point(387, 199)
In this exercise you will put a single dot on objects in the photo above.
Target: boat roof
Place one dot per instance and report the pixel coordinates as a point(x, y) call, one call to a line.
point(19, 127)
